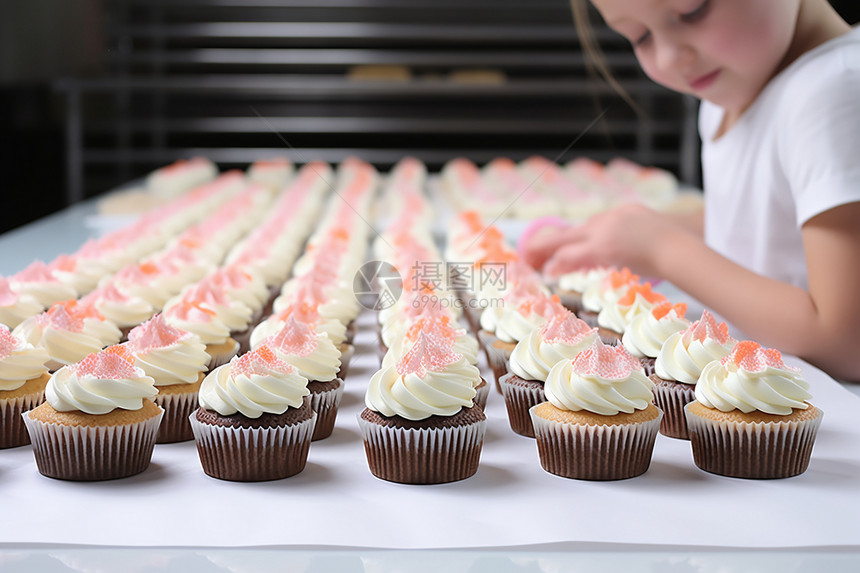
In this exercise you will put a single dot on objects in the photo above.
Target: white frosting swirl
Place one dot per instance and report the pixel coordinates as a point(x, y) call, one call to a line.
point(645, 335)
point(15, 308)
point(579, 281)
point(178, 363)
point(533, 357)
point(20, 361)
point(465, 344)
point(769, 386)
point(414, 397)
point(573, 388)
point(334, 329)
point(93, 393)
point(316, 358)
point(271, 390)
point(617, 316)
point(683, 355)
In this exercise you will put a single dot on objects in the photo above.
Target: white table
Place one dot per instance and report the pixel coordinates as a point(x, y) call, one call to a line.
point(510, 516)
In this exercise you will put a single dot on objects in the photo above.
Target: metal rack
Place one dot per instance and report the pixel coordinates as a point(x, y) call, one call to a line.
point(241, 80)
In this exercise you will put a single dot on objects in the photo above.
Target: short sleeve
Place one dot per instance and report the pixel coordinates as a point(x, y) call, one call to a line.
point(819, 139)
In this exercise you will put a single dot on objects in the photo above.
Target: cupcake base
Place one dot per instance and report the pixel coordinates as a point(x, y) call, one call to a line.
point(325, 399)
point(178, 401)
point(497, 352)
point(586, 446)
point(86, 447)
point(482, 392)
point(236, 448)
point(520, 395)
point(13, 403)
point(752, 446)
point(220, 354)
point(438, 449)
point(671, 397)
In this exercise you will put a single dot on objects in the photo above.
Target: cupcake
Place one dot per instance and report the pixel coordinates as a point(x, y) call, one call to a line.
point(647, 332)
point(23, 376)
point(196, 317)
point(176, 360)
point(571, 286)
point(99, 420)
point(255, 421)
point(440, 326)
point(613, 320)
point(317, 359)
point(751, 417)
point(678, 365)
point(125, 311)
point(69, 331)
point(38, 281)
point(604, 292)
point(16, 308)
point(562, 338)
point(598, 422)
point(420, 425)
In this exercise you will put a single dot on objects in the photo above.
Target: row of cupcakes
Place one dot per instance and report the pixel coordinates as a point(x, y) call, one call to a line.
point(423, 421)
point(539, 187)
point(40, 285)
point(221, 296)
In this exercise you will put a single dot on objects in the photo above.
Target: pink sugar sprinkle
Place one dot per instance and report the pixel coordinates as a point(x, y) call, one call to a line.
point(155, 333)
point(607, 362)
point(112, 363)
point(208, 292)
point(230, 277)
point(111, 293)
point(8, 297)
point(63, 263)
point(707, 327)
point(295, 338)
point(567, 329)
point(258, 362)
point(36, 272)
point(58, 317)
point(429, 353)
point(752, 357)
point(8, 343)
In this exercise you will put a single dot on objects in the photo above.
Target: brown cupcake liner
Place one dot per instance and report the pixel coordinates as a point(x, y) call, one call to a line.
point(350, 332)
point(174, 426)
point(253, 454)
point(482, 392)
point(497, 358)
point(472, 314)
point(648, 365)
point(325, 404)
point(347, 351)
point(589, 316)
point(671, 397)
point(92, 453)
point(752, 450)
point(423, 455)
point(595, 453)
point(13, 432)
point(519, 399)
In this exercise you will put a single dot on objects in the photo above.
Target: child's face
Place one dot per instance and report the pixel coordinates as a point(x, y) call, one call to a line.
point(724, 51)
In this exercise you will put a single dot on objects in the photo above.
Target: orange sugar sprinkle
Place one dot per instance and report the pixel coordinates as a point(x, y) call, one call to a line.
point(643, 290)
point(665, 308)
point(617, 279)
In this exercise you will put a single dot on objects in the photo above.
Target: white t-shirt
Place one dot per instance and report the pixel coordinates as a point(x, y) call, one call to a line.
point(793, 154)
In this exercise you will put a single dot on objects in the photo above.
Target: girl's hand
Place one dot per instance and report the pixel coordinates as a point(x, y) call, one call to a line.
point(629, 235)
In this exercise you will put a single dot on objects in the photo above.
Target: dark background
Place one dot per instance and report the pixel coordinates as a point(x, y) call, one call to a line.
point(128, 131)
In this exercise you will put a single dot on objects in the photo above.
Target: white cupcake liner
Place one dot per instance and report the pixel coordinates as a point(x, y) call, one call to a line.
point(13, 432)
point(518, 401)
point(672, 399)
point(755, 450)
point(497, 359)
point(90, 453)
point(422, 455)
point(595, 453)
point(174, 426)
point(252, 454)
point(325, 404)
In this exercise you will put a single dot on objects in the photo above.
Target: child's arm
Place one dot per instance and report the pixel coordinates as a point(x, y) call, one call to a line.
point(821, 325)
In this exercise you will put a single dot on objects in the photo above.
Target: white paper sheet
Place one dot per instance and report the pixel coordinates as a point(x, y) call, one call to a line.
point(511, 501)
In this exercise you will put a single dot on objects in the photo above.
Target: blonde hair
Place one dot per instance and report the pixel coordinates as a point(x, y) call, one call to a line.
point(595, 61)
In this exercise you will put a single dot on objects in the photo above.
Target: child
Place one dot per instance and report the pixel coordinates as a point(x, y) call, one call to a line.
point(777, 252)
